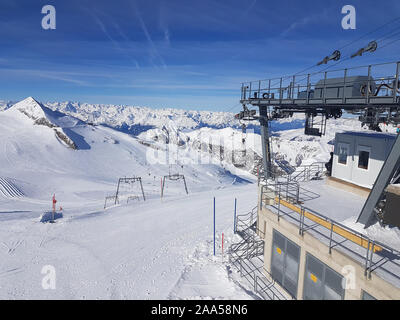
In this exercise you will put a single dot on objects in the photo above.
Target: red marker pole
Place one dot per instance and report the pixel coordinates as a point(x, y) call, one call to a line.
point(54, 208)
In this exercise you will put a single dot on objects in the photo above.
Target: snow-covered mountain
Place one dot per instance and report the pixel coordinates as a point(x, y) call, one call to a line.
point(5, 104)
point(134, 119)
point(38, 114)
point(205, 131)
point(160, 248)
point(39, 142)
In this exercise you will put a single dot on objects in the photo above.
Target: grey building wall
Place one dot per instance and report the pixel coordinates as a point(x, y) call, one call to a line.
point(372, 148)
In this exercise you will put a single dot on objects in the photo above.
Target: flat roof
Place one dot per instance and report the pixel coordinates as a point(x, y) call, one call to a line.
point(369, 134)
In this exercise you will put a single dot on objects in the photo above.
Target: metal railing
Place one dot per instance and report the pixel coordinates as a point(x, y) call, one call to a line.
point(245, 221)
point(308, 172)
point(246, 227)
point(261, 285)
point(251, 247)
point(379, 85)
point(386, 257)
point(302, 173)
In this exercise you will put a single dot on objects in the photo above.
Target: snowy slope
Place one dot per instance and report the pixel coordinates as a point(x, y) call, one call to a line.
point(103, 155)
point(157, 249)
point(136, 250)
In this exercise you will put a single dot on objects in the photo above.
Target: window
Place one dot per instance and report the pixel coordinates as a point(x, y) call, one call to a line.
point(343, 152)
point(363, 158)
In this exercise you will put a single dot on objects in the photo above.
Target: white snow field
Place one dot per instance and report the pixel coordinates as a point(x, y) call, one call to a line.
point(153, 249)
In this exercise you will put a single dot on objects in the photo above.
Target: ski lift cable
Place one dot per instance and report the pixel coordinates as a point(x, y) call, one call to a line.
point(354, 41)
point(231, 108)
point(350, 56)
point(379, 47)
point(389, 35)
point(382, 38)
point(370, 32)
point(389, 43)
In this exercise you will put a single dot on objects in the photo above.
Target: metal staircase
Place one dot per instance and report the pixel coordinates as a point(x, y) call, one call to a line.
point(247, 256)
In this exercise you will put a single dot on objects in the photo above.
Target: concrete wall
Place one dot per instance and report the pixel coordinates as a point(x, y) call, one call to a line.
point(378, 146)
point(338, 261)
point(348, 186)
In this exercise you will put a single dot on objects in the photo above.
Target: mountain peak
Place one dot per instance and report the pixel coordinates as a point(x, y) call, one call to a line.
point(31, 108)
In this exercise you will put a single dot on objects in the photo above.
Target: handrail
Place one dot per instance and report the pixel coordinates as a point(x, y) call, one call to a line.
point(268, 284)
point(321, 72)
point(346, 232)
point(330, 224)
point(315, 167)
point(288, 86)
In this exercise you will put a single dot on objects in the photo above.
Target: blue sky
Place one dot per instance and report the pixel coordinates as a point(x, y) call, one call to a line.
point(185, 54)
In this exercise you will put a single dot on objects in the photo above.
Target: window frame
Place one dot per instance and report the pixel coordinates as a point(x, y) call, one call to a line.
point(347, 147)
point(361, 148)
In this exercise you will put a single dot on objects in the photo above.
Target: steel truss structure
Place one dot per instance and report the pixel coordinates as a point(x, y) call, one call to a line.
point(372, 92)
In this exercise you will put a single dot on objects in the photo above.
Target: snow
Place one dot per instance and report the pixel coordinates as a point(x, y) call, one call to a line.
point(144, 251)
point(153, 249)
point(139, 250)
point(325, 201)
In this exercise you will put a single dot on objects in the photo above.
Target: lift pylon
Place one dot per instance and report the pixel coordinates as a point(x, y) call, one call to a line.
point(130, 181)
point(375, 204)
point(173, 177)
point(319, 94)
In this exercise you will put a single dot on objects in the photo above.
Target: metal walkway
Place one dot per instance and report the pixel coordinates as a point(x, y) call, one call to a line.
point(325, 89)
point(373, 255)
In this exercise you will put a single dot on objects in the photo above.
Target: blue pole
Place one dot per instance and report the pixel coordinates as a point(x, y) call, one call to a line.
point(234, 218)
point(214, 226)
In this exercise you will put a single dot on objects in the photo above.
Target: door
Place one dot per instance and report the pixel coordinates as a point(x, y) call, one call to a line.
point(321, 282)
point(362, 173)
point(285, 262)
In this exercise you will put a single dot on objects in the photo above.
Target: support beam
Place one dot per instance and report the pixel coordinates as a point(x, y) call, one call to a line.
point(141, 186)
point(266, 149)
point(388, 171)
point(184, 181)
point(116, 194)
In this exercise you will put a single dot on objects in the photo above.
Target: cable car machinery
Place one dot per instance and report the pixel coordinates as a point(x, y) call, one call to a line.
point(320, 96)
